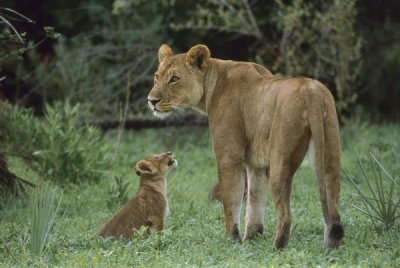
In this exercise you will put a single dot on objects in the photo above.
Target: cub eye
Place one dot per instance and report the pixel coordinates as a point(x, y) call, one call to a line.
point(173, 79)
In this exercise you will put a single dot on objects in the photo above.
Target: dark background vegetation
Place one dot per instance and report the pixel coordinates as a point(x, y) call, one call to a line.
point(105, 53)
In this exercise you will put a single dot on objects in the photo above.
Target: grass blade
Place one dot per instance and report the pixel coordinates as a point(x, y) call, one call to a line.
point(365, 199)
point(384, 170)
point(365, 175)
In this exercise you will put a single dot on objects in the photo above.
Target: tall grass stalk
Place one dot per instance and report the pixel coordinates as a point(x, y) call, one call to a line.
point(44, 206)
point(381, 199)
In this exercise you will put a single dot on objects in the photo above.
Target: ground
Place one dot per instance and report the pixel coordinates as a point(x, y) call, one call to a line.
point(194, 234)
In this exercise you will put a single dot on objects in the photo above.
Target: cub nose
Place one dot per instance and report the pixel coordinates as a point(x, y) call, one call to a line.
point(154, 101)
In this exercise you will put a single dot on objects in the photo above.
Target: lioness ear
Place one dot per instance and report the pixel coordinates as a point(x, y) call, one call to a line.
point(144, 167)
point(164, 52)
point(198, 57)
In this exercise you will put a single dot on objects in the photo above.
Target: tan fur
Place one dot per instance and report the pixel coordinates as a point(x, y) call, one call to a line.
point(259, 123)
point(150, 206)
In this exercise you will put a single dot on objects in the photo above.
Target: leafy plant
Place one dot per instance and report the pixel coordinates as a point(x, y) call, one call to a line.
point(44, 206)
point(59, 147)
point(381, 198)
point(18, 130)
point(67, 151)
point(118, 193)
point(14, 124)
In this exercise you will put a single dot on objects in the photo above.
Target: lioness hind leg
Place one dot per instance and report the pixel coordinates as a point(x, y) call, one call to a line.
point(255, 208)
point(232, 186)
point(286, 156)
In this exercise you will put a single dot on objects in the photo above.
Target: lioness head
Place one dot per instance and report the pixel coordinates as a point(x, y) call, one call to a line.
point(178, 82)
point(156, 166)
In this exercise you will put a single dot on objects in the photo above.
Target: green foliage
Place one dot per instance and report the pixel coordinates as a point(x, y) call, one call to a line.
point(17, 129)
point(51, 32)
point(60, 148)
point(44, 206)
point(66, 150)
point(118, 193)
point(381, 198)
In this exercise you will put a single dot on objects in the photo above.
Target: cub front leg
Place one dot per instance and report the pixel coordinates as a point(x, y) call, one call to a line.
point(232, 186)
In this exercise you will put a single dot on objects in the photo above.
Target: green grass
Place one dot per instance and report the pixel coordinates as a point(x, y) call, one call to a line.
point(194, 234)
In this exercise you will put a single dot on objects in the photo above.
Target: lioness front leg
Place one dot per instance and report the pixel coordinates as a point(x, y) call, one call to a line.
point(256, 196)
point(232, 186)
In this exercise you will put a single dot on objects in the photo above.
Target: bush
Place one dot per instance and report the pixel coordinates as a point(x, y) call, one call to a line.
point(17, 129)
point(58, 146)
point(67, 151)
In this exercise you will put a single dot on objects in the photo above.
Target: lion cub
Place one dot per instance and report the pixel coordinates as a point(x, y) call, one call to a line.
point(150, 206)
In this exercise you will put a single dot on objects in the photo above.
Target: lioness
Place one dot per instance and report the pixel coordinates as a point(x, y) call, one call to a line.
point(150, 206)
point(259, 123)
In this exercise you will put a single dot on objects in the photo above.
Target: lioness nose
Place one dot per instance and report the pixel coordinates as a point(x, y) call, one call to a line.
point(153, 101)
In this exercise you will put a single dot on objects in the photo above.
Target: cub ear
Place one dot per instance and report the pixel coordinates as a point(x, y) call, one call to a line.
point(164, 52)
point(144, 167)
point(198, 57)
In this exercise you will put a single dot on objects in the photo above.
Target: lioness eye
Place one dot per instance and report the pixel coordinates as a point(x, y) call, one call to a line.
point(173, 79)
point(155, 77)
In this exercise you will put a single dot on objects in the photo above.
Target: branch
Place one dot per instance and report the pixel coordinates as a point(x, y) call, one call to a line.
point(139, 122)
point(234, 12)
point(253, 22)
point(257, 32)
point(17, 13)
point(12, 28)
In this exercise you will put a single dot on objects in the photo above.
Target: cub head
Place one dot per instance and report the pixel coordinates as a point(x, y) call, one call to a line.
point(178, 82)
point(156, 166)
